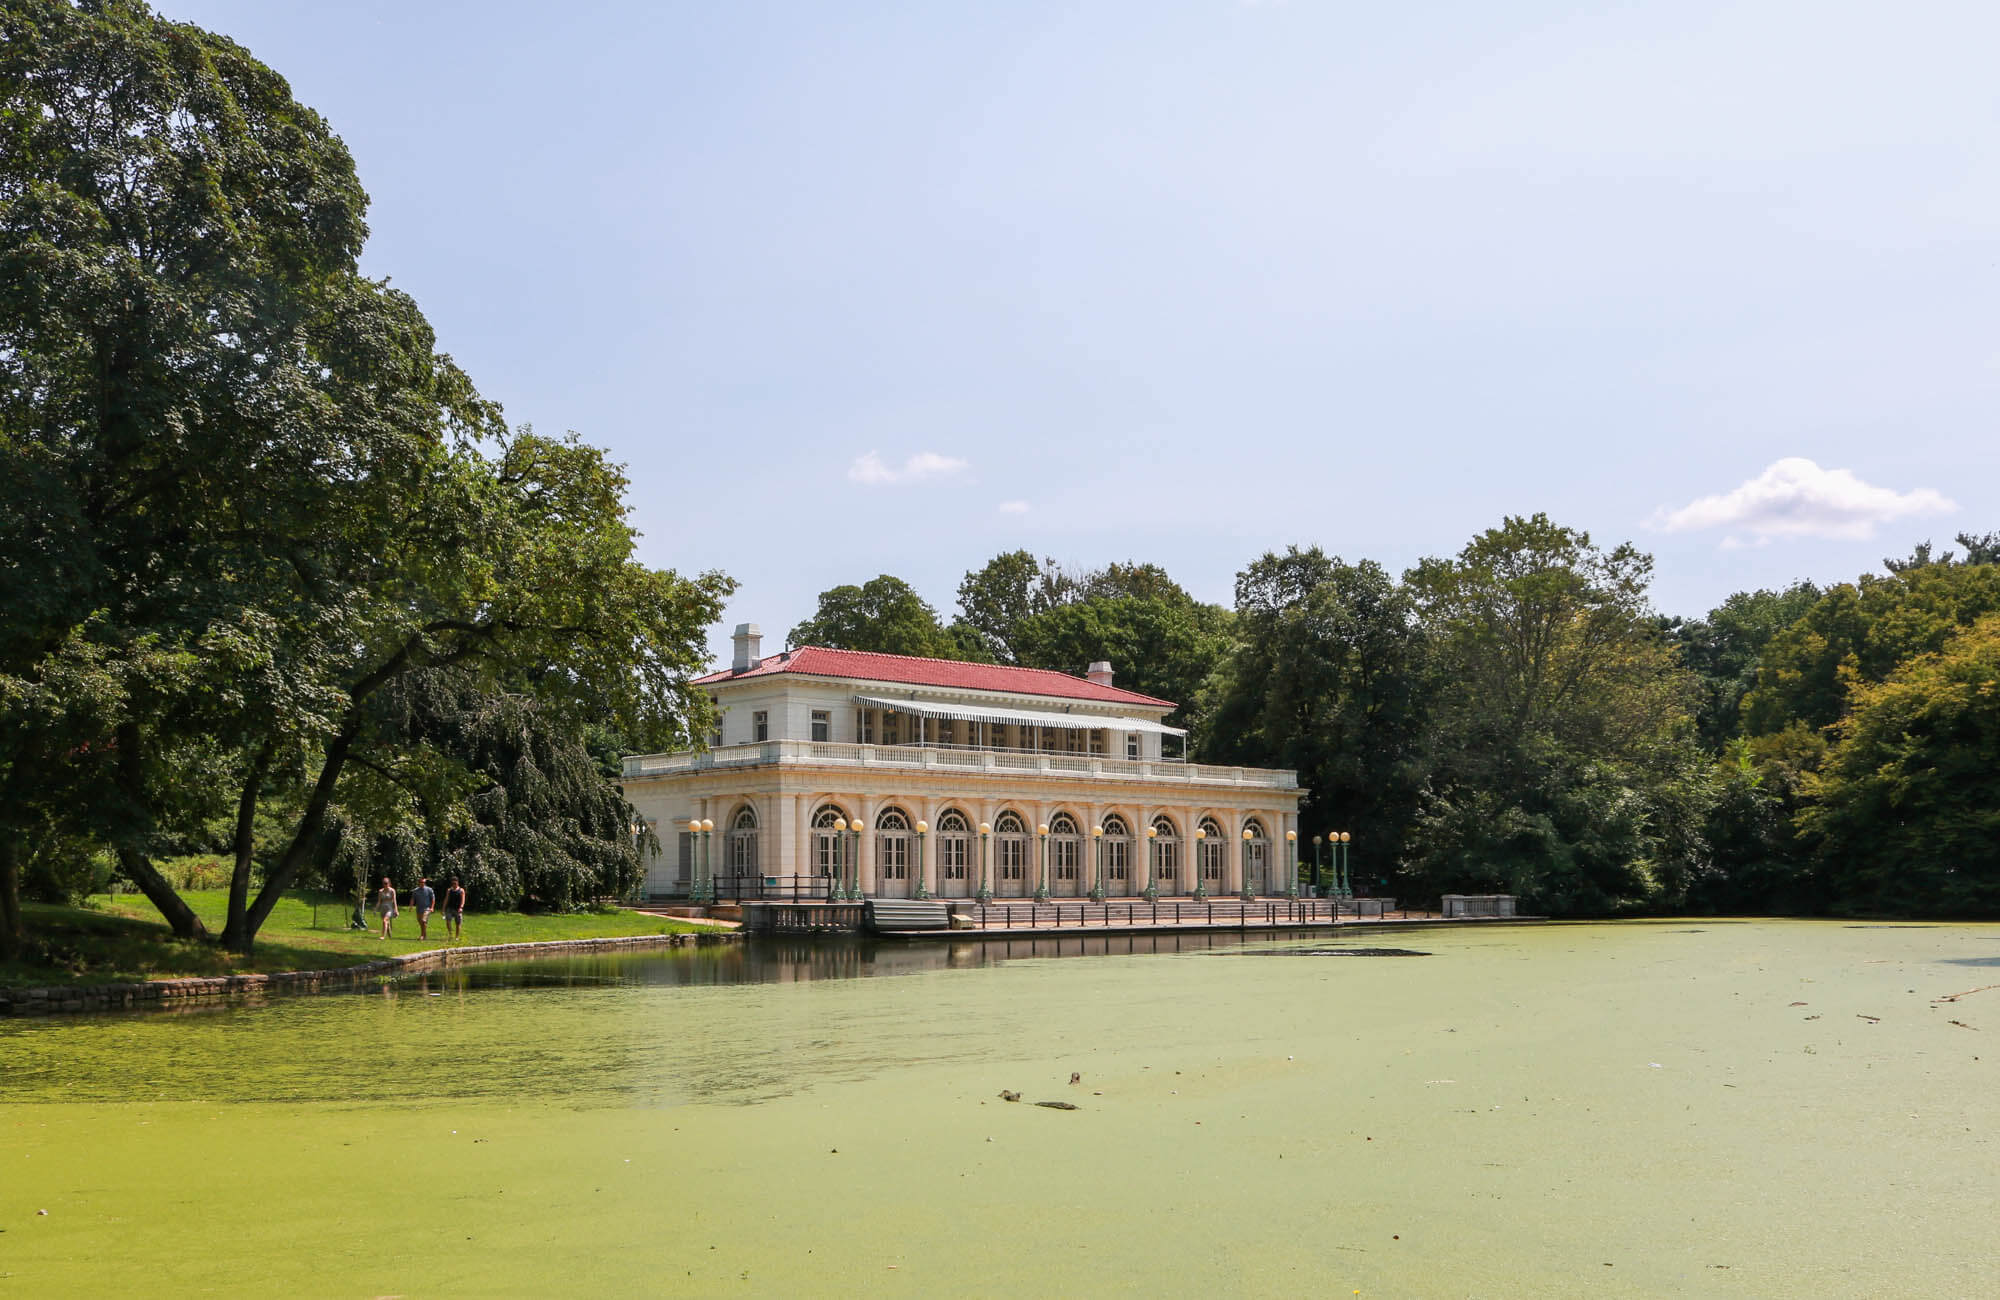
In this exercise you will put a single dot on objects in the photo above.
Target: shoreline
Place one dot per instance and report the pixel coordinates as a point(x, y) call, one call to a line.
point(139, 995)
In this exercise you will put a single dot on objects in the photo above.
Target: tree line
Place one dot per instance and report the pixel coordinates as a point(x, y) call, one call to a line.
point(1517, 718)
point(276, 581)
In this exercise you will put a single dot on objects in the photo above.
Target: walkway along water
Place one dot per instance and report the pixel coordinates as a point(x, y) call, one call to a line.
point(975, 920)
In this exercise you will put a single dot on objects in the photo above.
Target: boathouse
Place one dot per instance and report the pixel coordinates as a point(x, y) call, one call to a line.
point(842, 774)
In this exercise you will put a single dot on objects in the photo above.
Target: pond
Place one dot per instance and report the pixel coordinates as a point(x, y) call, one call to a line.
point(1704, 1107)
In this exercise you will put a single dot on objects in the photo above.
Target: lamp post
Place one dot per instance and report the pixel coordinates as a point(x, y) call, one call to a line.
point(694, 859)
point(1200, 867)
point(921, 892)
point(1042, 863)
point(1097, 890)
point(1343, 871)
point(1152, 865)
point(1292, 864)
point(1243, 868)
point(708, 859)
point(1316, 843)
point(837, 885)
point(854, 862)
point(985, 894)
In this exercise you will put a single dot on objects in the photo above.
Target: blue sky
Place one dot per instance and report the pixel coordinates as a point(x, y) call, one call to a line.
point(890, 288)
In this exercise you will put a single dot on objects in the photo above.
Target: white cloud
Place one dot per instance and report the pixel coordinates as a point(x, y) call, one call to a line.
point(1014, 507)
point(1796, 498)
point(870, 468)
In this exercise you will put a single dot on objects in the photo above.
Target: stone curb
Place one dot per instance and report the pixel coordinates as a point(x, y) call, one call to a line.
point(57, 999)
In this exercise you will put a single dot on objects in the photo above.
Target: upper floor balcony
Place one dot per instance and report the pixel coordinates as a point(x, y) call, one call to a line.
point(944, 760)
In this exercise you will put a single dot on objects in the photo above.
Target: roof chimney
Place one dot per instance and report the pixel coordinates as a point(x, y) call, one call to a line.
point(749, 639)
point(1099, 673)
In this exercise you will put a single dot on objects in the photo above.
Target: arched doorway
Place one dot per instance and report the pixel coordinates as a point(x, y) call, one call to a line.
point(1166, 848)
point(954, 854)
point(1256, 857)
point(828, 861)
point(1117, 857)
point(1010, 855)
point(740, 855)
point(1065, 850)
point(1210, 853)
point(892, 853)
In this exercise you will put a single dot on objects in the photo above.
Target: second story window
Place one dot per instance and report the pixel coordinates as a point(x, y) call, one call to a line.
point(891, 728)
point(760, 725)
point(864, 726)
point(822, 725)
point(1132, 748)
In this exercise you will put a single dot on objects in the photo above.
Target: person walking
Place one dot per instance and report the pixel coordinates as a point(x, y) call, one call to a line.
point(385, 903)
point(424, 899)
point(454, 909)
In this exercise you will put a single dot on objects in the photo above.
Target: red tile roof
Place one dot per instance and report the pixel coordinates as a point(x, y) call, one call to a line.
point(819, 661)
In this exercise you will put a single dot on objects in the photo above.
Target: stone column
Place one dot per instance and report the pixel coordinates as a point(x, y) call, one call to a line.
point(865, 847)
point(801, 838)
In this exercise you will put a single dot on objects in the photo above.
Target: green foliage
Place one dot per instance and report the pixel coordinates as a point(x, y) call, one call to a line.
point(1561, 755)
point(994, 600)
point(1907, 811)
point(1725, 649)
point(882, 616)
point(1861, 632)
point(1162, 647)
point(1328, 677)
point(244, 492)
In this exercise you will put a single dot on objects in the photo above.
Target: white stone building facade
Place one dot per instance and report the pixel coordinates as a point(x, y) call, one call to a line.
point(950, 780)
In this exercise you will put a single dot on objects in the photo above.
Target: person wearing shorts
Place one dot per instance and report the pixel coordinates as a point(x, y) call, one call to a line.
point(454, 909)
point(385, 903)
point(424, 899)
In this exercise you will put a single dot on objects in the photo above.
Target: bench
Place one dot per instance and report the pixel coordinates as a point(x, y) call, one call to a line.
point(886, 915)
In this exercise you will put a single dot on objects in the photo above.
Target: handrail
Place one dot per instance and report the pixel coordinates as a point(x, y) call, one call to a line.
point(1041, 763)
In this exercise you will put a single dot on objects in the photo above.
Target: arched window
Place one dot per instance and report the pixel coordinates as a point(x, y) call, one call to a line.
point(1010, 853)
point(1117, 855)
point(1211, 853)
point(742, 848)
point(954, 850)
point(1065, 851)
point(892, 819)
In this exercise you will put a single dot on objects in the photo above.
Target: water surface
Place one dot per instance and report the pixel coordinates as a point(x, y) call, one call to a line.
point(1702, 1108)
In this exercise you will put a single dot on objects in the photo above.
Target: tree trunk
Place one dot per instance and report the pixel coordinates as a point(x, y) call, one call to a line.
point(296, 852)
point(132, 784)
point(237, 936)
point(11, 936)
point(186, 925)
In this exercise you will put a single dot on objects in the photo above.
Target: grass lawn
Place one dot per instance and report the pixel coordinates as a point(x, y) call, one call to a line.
point(123, 938)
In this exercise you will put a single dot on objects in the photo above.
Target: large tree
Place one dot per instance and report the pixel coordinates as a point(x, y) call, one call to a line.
point(1725, 648)
point(1327, 678)
point(1907, 815)
point(1165, 647)
point(241, 475)
point(1561, 762)
point(884, 615)
point(996, 598)
point(1861, 632)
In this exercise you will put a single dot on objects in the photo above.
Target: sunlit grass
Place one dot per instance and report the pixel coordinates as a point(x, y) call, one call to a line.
point(115, 939)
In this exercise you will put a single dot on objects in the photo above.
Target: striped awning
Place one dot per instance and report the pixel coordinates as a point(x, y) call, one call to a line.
point(1019, 717)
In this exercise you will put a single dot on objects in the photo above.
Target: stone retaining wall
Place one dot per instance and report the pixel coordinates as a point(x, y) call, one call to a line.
point(181, 992)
